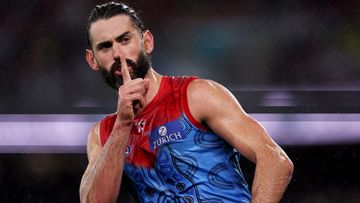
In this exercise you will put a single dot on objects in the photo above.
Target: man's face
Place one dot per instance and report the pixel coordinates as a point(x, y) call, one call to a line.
point(112, 38)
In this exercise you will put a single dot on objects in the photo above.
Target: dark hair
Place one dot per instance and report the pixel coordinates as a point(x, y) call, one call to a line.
point(110, 9)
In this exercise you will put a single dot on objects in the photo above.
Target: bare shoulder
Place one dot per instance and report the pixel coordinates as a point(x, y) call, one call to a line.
point(203, 89)
point(94, 135)
point(202, 85)
point(93, 142)
point(207, 98)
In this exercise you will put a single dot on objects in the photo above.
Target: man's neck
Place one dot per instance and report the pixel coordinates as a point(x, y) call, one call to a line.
point(155, 80)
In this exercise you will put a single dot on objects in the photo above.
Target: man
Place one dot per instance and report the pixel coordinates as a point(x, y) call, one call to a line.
point(174, 137)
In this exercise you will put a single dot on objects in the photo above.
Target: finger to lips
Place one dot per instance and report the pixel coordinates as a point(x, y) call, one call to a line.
point(124, 69)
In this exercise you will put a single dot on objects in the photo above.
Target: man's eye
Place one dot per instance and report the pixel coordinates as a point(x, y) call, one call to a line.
point(104, 46)
point(126, 39)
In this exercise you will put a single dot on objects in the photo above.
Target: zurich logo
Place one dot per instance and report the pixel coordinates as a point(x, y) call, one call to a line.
point(166, 134)
point(162, 131)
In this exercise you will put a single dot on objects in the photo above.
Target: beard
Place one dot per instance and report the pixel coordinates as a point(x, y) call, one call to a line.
point(139, 70)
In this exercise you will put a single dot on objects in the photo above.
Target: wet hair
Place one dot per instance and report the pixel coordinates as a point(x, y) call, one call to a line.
point(110, 9)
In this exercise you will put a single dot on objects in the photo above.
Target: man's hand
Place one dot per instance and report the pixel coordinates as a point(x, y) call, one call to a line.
point(131, 95)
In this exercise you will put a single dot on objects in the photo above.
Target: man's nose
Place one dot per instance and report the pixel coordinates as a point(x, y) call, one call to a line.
point(117, 50)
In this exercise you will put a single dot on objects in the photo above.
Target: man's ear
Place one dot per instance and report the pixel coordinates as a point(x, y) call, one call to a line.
point(148, 42)
point(90, 58)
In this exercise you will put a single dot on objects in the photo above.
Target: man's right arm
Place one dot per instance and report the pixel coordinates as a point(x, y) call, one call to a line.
point(102, 178)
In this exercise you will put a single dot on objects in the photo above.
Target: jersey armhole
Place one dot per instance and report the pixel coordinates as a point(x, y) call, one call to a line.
point(106, 126)
point(186, 108)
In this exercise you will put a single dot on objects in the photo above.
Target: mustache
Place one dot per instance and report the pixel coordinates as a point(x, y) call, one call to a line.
point(117, 64)
point(140, 68)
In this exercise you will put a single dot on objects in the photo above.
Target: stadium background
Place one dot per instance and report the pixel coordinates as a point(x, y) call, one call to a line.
point(293, 64)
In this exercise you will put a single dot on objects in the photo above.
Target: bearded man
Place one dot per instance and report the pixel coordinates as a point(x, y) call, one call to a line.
point(172, 139)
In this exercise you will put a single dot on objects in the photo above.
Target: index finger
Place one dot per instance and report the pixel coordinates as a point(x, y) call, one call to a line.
point(124, 69)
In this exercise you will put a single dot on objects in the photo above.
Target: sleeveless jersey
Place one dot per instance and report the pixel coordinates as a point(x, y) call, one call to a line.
point(170, 157)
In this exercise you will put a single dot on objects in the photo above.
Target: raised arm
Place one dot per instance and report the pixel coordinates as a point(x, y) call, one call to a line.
point(102, 178)
point(214, 105)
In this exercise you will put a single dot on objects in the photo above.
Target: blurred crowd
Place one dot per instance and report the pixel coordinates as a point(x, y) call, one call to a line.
point(237, 43)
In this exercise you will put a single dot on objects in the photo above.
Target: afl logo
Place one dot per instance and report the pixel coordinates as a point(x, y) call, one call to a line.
point(128, 150)
point(162, 131)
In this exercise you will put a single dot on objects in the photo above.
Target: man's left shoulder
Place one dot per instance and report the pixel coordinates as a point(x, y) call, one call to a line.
point(201, 85)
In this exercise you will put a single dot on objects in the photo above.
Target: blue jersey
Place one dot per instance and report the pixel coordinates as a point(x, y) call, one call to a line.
point(173, 158)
